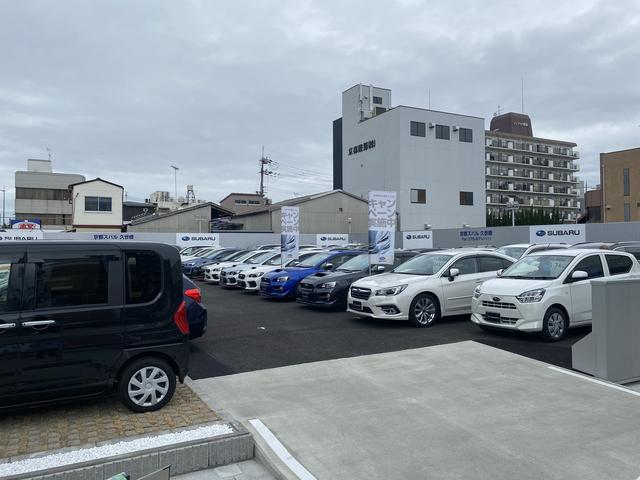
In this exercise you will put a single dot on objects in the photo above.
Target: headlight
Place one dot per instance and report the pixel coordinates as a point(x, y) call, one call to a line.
point(531, 296)
point(254, 275)
point(477, 292)
point(328, 285)
point(390, 290)
point(282, 279)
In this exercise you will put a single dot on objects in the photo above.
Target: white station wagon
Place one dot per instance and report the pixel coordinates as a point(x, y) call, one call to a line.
point(547, 292)
point(426, 287)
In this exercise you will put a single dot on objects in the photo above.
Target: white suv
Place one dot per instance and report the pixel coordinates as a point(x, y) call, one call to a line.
point(426, 287)
point(547, 292)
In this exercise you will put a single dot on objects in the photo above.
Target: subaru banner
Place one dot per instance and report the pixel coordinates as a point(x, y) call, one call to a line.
point(184, 240)
point(382, 226)
point(19, 235)
point(417, 239)
point(331, 239)
point(33, 224)
point(290, 233)
point(569, 234)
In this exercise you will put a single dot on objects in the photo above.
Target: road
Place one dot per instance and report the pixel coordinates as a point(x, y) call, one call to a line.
point(247, 332)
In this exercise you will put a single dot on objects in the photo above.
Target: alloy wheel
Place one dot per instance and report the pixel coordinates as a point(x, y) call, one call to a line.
point(424, 311)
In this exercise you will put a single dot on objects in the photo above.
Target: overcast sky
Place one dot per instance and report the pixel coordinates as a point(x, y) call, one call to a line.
point(123, 89)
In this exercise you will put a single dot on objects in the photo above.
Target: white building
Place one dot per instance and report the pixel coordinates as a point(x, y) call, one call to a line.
point(97, 206)
point(433, 160)
point(43, 195)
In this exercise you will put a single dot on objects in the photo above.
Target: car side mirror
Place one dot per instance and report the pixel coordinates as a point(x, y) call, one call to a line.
point(328, 266)
point(579, 275)
point(499, 272)
point(453, 273)
point(380, 268)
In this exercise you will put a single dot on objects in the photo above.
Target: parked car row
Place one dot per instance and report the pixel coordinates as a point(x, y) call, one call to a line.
point(541, 288)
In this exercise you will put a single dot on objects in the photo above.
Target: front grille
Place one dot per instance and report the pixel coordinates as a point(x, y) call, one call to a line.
point(360, 293)
point(242, 276)
point(504, 305)
point(494, 317)
point(307, 287)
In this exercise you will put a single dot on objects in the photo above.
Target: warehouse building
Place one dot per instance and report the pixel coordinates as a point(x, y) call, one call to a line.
point(334, 211)
point(433, 160)
point(196, 218)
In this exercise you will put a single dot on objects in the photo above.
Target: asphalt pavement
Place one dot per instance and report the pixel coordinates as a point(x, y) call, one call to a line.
point(247, 332)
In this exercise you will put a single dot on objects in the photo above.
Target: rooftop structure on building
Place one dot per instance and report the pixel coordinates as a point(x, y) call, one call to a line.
point(529, 170)
point(434, 160)
point(244, 202)
point(199, 217)
point(42, 194)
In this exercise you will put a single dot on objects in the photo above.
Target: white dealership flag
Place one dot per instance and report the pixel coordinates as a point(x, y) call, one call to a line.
point(331, 239)
point(290, 233)
point(417, 239)
point(382, 226)
point(569, 234)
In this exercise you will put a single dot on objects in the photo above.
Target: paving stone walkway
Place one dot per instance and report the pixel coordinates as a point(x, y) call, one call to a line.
point(93, 421)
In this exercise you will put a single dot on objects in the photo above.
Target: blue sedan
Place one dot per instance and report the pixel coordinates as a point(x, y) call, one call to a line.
point(283, 283)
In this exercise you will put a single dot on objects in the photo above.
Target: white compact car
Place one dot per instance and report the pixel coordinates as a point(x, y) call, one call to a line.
point(426, 287)
point(250, 280)
point(212, 272)
point(229, 275)
point(547, 292)
point(519, 250)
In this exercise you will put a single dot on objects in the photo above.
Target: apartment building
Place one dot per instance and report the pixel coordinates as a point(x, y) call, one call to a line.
point(528, 170)
point(44, 195)
point(620, 185)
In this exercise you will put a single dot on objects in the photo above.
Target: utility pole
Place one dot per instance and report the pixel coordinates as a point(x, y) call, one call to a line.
point(264, 171)
point(4, 191)
point(175, 182)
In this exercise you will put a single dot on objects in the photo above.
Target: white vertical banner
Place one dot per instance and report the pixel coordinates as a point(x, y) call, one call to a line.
point(290, 233)
point(382, 226)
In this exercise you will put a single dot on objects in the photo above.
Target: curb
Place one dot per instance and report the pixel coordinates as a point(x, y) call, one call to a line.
point(183, 457)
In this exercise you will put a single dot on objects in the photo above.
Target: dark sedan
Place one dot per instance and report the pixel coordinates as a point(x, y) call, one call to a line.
point(330, 289)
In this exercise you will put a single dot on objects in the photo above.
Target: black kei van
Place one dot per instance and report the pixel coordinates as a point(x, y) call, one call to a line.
point(81, 319)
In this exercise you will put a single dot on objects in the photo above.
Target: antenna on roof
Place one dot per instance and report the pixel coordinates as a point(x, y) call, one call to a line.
point(49, 151)
point(498, 111)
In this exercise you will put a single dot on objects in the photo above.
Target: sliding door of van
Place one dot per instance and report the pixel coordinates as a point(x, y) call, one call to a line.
point(11, 277)
point(72, 327)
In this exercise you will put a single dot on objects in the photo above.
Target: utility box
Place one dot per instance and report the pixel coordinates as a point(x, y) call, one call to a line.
point(612, 350)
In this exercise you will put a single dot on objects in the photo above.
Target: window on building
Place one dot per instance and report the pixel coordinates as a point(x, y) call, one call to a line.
point(465, 135)
point(418, 129)
point(24, 193)
point(627, 212)
point(144, 276)
point(377, 100)
point(418, 195)
point(254, 202)
point(466, 198)
point(625, 181)
point(71, 282)
point(97, 204)
point(442, 132)
point(240, 202)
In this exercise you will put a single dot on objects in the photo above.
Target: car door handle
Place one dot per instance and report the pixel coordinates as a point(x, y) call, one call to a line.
point(38, 323)
point(7, 326)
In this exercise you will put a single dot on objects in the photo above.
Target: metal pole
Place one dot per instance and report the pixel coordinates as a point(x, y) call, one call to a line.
point(4, 190)
point(513, 217)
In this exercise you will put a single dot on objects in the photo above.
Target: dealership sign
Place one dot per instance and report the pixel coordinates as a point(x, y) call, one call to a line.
point(290, 233)
point(569, 234)
point(20, 235)
point(113, 236)
point(382, 226)
point(197, 239)
point(330, 239)
point(33, 224)
point(417, 239)
point(479, 235)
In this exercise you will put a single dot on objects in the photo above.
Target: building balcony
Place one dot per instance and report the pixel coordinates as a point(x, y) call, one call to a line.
point(506, 145)
point(529, 188)
point(534, 162)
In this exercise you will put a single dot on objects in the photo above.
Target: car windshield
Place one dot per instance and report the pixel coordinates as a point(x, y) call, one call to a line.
point(296, 261)
point(215, 254)
point(204, 252)
point(277, 260)
point(227, 255)
point(513, 252)
point(313, 260)
point(538, 267)
point(237, 256)
point(423, 264)
point(356, 264)
point(260, 258)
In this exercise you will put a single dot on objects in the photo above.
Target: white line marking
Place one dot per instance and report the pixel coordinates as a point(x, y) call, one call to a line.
point(281, 451)
point(595, 380)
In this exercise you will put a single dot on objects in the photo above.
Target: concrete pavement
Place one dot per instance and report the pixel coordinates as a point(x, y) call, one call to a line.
point(457, 411)
point(249, 470)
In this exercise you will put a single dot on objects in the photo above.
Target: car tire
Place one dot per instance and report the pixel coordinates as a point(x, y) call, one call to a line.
point(424, 310)
point(147, 384)
point(554, 325)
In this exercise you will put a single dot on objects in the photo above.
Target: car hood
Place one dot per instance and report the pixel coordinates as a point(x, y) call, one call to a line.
point(293, 273)
point(323, 277)
point(241, 267)
point(512, 286)
point(391, 279)
point(222, 265)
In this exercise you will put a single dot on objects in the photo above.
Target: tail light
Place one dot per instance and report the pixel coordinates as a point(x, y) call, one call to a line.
point(194, 293)
point(180, 318)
